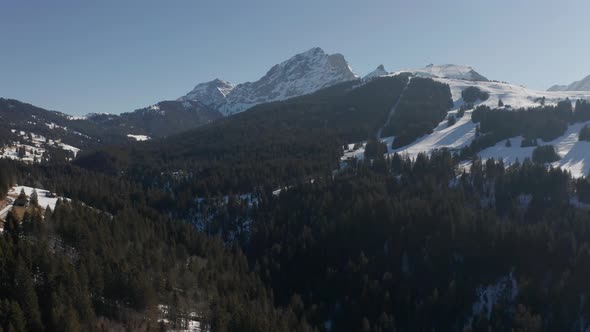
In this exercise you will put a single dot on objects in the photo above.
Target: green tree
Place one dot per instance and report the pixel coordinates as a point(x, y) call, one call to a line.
point(34, 199)
point(545, 154)
point(584, 134)
point(22, 198)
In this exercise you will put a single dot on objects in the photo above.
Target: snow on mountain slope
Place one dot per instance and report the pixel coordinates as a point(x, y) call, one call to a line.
point(380, 71)
point(581, 85)
point(44, 200)
point(211, 93)
point(139, 138)
point(302, 74)
point(575, 155)
point(512, 95)
point(443, 136)
point(450, 71)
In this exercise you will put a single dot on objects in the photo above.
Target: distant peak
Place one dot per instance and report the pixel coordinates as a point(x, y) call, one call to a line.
point(314, 50)
point(301, 74)
point(450, 71)
point(581, 85)
point(379, 71)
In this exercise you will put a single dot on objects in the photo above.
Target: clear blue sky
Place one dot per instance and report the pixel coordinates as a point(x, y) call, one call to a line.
point(116, 55)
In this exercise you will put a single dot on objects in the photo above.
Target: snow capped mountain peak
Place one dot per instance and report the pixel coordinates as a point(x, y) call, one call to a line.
point(378, 72)
point(313, 51)
point(301, 74)
point(581, 85)
point(451, 71)
point(210, 93)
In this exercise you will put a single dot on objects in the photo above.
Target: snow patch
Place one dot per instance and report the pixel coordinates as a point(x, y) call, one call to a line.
point(139, 138)
point(45, 197)
point(505, 290)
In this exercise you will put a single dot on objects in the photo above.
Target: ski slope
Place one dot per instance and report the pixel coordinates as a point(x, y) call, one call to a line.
point(575, 155)
point(514, 96)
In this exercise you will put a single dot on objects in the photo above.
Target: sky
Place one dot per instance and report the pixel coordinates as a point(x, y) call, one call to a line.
point(115, 56)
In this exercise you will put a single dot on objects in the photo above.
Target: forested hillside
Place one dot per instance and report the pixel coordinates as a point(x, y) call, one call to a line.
point(163, 119)
point(272, 144)
point(82, 269)
point(254, 223)
point(392, 244)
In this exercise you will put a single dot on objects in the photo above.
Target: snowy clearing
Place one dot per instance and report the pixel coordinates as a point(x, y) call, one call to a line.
point(34, 148)
point(44, 196)
point(139, 138)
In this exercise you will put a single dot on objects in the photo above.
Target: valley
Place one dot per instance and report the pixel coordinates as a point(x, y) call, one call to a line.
point(309, 200)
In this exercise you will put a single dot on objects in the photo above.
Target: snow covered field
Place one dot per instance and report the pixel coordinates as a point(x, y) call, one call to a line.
point(138, 138)
point(42, 194)
point(44, 197)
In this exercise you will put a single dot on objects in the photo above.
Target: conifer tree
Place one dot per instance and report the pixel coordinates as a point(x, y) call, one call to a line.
point(21, 200)
point(34, 199)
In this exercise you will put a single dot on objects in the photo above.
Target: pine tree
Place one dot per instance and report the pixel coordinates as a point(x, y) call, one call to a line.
point(500, 103)
point(584, 134)
point(22, 152)
point(28, 297)
point(12, 227)
point(34, 199)
point(21, 200)
point(17, 321)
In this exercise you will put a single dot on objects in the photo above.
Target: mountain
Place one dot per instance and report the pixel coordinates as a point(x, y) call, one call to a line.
point(451, 71)
point(211, 93)
point(378, 72)
point(19, 116)
point(300, 75)
point(462, 134)
point(581, 85)
point(162, 119)
point(272, 186)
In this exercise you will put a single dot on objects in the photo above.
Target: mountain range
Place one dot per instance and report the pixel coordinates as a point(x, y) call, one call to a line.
point(432, 183)
point(581, 85)
point(302, 74)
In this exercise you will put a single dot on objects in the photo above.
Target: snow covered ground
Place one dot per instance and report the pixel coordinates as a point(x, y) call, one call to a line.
point(192, 322)
point(67, 147)
point(138, 138)
point(42, 194)
point(45, 199)
point(445, 71)
point(443, 136)
point(573, 152)
point(512, 95)
point(505, 290)
point(34, 147)
point(4, 212)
